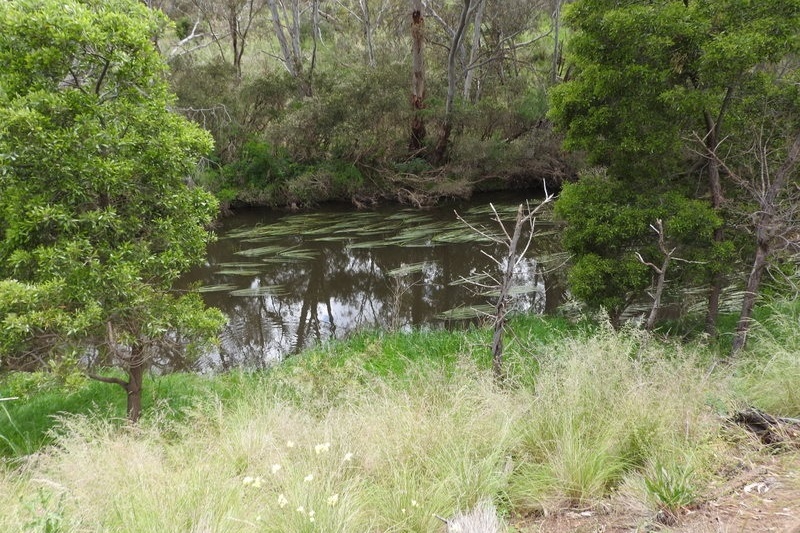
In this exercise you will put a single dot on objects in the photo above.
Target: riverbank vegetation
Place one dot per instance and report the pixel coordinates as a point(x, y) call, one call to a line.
point(320, 103)
point(682, 150)
point(388, 430)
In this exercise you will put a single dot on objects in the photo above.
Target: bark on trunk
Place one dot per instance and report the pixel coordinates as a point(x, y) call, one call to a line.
point(134, 390)
point(443, 143)
point(418, 77)
point(556, 43)
point(501, 307)
point(233, 26)
point(750, 294)
point(473, 52)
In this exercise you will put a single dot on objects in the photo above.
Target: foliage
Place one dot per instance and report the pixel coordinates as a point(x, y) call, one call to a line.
point(658, 85)
point(607, 223)
point(671, 488)
point(96, 217)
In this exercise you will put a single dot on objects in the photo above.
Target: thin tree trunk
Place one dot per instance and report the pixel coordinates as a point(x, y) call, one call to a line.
point(501, 307)
point(418, 77)
point(715, 186)
point(473, 52)
point(368, 32)
point(233, 26)
point(556, 52)
point(764, 236)
point(750, 294)
point(442, 144)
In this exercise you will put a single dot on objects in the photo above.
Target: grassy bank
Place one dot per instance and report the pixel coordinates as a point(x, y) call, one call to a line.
point(383, 432)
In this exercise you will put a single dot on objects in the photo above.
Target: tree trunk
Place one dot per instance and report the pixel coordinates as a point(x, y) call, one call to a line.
point(233, 26)
point(292, 53)
point(556, 44)
point(418, 77)
point(442, 144)
point(134, 388)
point(764, 238)
point(750, 294)
point(501, 308)
point(368, 31)
point(715, 186)
point(473, 52)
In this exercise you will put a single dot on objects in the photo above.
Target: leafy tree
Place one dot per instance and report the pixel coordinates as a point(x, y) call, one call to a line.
point(658, 86)
point(96, 217)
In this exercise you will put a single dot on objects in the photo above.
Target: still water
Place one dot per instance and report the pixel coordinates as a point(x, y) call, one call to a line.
point(289, 280)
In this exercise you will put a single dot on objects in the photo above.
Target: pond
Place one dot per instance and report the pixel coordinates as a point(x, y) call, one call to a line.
point(289, 280)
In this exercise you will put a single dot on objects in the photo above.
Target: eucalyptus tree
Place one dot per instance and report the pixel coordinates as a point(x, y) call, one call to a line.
point(658, 86)
point(287, 22)
point(96, 218)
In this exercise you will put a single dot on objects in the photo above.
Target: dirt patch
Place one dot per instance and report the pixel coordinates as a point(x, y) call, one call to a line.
point(760, 497)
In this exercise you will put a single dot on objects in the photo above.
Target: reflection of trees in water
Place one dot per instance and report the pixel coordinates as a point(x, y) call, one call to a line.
point(340, 290)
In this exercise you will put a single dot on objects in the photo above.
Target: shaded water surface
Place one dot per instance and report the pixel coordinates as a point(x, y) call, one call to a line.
point(288, 280)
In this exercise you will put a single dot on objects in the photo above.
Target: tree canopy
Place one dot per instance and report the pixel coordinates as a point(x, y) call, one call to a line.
point(97, 219)
point(658, 88)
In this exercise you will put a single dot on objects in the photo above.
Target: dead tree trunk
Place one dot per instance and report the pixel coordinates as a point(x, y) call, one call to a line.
point(501, 307)
point(661, 271)
point(504, 285)
point(765, 234)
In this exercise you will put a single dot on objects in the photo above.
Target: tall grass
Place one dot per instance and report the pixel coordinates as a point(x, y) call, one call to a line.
point(385, 452)
point(769, 378)
point(604, 408)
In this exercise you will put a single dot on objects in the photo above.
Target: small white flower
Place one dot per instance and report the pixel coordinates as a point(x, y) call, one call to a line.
point(301, 510)
point(324, 447)
point(290, 444)
point(348, 456)
point(282, 501)
point(311, 519)
point(414, 503)
point(403, 510)
point(333, 500)
point(311, 513)
point(308, 478)
point(275, 468)
point(257, 482)
point(258, 518)
point(248, 480)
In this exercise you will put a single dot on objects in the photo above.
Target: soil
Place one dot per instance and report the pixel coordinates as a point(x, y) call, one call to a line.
point(762, 495)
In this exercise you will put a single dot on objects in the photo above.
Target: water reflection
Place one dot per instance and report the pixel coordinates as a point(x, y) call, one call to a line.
point(286, 281)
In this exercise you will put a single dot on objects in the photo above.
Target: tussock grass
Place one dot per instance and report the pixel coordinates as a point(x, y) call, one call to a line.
point(604, 407)
point(327, 443)
point(769, 378)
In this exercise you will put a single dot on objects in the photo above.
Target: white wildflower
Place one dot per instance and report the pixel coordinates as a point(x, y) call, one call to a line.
point(275, 468)
point(282, 501)
point(333, 500)
point(308, 478)
point(324, 447)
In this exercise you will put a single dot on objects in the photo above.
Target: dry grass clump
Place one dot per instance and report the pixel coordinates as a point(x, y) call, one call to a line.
point(386, 454)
